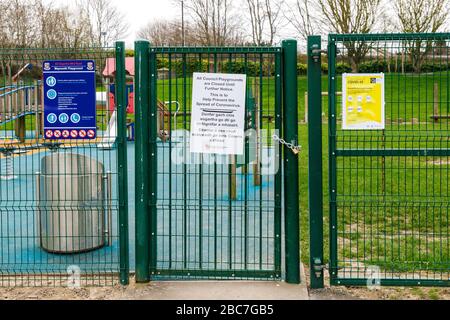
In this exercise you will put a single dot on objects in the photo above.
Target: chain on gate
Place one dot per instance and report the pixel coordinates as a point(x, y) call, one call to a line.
point(294, 148)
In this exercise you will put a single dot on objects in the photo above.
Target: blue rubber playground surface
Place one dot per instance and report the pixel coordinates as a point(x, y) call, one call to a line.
point(198, 227)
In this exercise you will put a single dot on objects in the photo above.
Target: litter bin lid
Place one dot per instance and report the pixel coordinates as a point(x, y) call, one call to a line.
point(69, 164)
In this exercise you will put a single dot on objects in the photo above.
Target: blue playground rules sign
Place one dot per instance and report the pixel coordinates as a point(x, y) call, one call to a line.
point(69, 99)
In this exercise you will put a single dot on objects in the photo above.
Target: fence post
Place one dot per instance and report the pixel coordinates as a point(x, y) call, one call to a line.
point(141, 88)
point(315, 181)
point(291, 183)
point(121, 107)
point(153, 154)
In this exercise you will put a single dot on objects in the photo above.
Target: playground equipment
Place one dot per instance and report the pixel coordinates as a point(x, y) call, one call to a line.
point(16, 102)
point(164, 116)
point(19, 101)
point(437, 115)
point(130, 131)
point(252, 150)
point(7, 167)
point(27, 66)
point(110, 136)
point(74, 203)
point(111, 133)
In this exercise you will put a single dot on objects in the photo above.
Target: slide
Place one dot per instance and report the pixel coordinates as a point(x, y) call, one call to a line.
point(110, 135)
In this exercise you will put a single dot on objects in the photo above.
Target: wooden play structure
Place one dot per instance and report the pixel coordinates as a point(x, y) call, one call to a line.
point(437, 114)
point(18, 101)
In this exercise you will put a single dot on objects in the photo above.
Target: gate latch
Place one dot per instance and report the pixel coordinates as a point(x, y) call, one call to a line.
point(319, 267)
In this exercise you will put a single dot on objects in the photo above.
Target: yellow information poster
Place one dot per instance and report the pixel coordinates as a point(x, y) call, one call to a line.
point(363, 101)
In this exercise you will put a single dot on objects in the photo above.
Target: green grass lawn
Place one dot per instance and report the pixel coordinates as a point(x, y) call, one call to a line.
point(392, 212)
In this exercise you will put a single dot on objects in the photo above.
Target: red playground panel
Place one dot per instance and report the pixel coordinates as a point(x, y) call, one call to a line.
point(130, 93)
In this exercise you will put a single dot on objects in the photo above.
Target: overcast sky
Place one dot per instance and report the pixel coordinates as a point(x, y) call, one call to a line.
point(139, 12)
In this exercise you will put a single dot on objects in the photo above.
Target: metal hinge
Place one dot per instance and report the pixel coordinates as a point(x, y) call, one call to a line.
point(319, 267)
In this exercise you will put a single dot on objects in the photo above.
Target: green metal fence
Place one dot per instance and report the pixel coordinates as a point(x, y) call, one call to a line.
point(61, 200)
point(209, 216)
point(389, 189)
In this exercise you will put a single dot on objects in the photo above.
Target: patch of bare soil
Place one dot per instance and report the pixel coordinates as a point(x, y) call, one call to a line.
point(383, 293)
point(439, 162)
point(115, 292)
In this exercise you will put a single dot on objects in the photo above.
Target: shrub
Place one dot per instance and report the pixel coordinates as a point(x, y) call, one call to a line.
point(342, 67)
point(302, 69)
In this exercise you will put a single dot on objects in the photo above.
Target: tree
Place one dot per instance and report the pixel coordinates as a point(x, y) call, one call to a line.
point(351, 16)
point(214, 22)
point(108, 23)
point(420, 16)
point(166, 33)
point(158, 32)
point(4, 39)
point(265, 17)
point(72, 30)
point(301, 19)
point(18, 23)
point(31, 23)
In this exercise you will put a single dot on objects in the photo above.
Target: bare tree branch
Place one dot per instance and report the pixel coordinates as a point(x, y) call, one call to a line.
point(351, 16)
point(214, 21)
point(300, 17)
point(420, 16)
point(108, 22)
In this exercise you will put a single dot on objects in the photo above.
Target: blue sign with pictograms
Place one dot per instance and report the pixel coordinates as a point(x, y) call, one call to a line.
point(69, 99)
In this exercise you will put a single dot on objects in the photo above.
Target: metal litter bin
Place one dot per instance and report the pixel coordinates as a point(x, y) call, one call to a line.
point(74, 208)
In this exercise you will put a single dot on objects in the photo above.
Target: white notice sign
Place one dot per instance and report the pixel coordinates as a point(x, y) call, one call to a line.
point(218, 108)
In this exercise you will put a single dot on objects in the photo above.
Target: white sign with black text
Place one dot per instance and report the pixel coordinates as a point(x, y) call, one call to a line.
point(218, 112)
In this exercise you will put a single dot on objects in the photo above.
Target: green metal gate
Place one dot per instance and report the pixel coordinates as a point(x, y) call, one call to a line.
point(211, 217)
point(389, 189)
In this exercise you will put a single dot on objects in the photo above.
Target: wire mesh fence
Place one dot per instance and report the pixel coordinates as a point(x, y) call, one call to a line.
point(389, 189)
point(217, 216)
point(59, 196)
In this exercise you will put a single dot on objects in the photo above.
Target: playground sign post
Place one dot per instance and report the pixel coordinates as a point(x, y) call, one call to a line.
point(69, 99)
point(218, 107)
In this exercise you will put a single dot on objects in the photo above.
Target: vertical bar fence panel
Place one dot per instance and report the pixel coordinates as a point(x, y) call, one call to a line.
point(61, 199)
point(389, 189)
